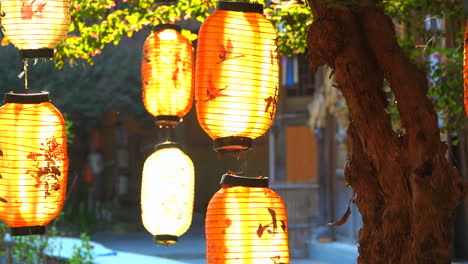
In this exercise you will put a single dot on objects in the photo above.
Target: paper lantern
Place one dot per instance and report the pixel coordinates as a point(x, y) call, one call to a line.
point(35, 27)
point(33, 162)
point(465, 70)
point(246, 222)
point(236, 78)
point(166, 72)
point(167, 192)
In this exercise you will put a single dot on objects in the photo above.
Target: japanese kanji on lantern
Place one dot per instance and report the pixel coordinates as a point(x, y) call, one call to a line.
point(33, 162)
point(246, 222)
point(236, 76)
point(35, 27)
point(166, 72)
point(167, 193)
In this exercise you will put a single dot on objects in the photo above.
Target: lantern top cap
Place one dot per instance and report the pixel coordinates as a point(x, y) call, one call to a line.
point(240, 7)
point(236, 180)
point(32, 98)
point(167, 144)
point(161, 27)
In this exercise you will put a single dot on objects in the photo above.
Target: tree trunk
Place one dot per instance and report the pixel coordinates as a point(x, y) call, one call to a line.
point(407, 191)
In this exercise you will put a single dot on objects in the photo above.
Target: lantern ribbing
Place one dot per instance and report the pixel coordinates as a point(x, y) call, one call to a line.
point(246, 222)
point(166, 72)
point(33, 162)
point(236, 77)
point(167, 193)
point(35, 27)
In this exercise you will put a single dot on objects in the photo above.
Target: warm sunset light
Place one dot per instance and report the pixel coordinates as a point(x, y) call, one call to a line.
point(166, 72)
point(35, 27)
point(33, 162)
point(167, 193)
point(236, 75)
point(246, 222)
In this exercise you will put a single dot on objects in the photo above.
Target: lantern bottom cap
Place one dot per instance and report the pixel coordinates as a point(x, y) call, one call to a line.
point(168, 121)
point(27, 230)
point(166, 240)
point(232, 144)
point(36, 53)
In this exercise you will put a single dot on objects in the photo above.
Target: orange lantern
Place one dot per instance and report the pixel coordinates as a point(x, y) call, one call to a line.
point(35, 27)
point(236, 75)
point(167, 192)
point(246, 222)
point(465, 70)
point(166, 72)
point(33, 162)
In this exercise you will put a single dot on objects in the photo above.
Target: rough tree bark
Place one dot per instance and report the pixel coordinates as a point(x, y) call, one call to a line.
point(407, 191)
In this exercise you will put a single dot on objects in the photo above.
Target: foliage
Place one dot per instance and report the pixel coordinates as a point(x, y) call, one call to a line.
point(291, 20)
point(83, 93)
point(97, 23)
point(82, 254)
point(416, 10)
point(446, 86)
point(33, 249)
point(423, 37)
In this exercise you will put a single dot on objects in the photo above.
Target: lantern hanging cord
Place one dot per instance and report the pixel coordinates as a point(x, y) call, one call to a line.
point(25, 70)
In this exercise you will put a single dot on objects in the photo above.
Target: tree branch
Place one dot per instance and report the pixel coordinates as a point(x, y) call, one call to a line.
point(408, 83)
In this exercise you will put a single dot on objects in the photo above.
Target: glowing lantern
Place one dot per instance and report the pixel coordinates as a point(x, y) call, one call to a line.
point(166, 72)
point(167, 192)
point(35, 27)
point(465, 70)
point(33, 162)
point(236, 78)
point(246, 223)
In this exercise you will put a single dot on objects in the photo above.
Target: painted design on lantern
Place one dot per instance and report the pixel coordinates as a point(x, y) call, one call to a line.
point(276, 260)
point(52, 153)
point(28, 11)
point(226, 52)
point(274, 54)
point(145, 51)
point(2, 13)
point(273, 223)
point(228, 222)
point(172, 209)
point(1, 177)
point(214, 248)
point(272, 101)
point(212, 92)
point(175, 77)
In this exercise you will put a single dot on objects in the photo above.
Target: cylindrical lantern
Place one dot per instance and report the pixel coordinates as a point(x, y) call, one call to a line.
point(246, 222)
point(167, 192)
point(236, 77)
point(33, 162)
point(465, 69)
point(166, 72)
point(35, 27)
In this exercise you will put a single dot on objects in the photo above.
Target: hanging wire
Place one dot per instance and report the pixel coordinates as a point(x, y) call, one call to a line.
point(25, 70)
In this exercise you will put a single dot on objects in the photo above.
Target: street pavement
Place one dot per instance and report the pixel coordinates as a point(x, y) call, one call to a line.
point(190, 249)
